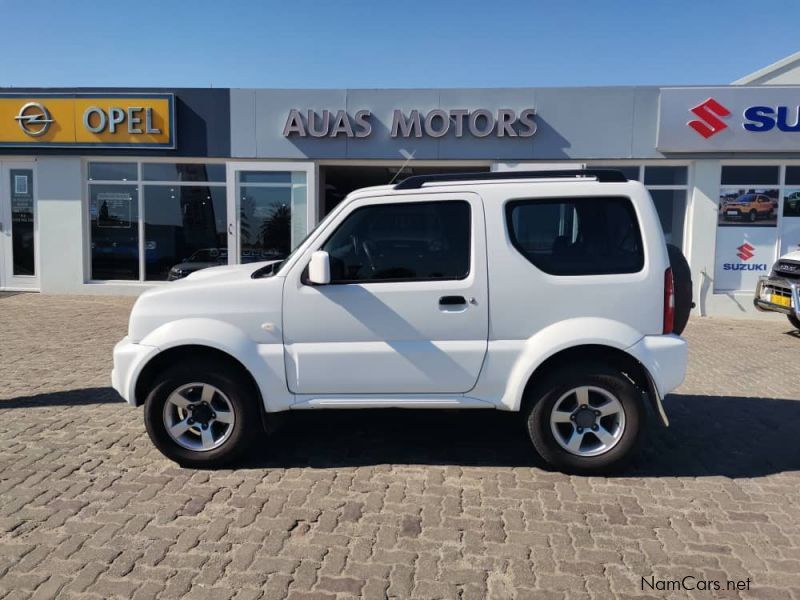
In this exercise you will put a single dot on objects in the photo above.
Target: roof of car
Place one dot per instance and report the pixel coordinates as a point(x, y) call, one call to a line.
point(417, 182)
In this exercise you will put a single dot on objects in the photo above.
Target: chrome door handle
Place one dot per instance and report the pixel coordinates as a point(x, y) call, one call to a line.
point(230, 228)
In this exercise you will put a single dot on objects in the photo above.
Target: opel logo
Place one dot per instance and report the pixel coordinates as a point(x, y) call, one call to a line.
point(34, 119)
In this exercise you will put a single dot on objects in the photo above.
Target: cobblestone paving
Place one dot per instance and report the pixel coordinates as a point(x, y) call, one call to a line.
point(381, 505)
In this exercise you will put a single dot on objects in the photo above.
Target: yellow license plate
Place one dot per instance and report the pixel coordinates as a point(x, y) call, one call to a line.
point(781, 300)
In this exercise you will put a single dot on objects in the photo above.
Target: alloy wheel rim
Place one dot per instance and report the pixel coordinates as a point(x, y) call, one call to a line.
point(198, 417)
point(587, 421)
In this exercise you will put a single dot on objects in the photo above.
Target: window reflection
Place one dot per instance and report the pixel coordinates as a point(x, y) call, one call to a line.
point(184, 230)
point(114, 213)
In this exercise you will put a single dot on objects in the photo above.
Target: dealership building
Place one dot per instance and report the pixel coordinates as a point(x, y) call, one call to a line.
point(113, 191)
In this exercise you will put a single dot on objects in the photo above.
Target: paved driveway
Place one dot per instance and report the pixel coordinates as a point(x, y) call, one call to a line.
point(408, 505)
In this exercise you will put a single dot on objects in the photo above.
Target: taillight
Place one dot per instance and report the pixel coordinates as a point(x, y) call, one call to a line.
point(669, 301)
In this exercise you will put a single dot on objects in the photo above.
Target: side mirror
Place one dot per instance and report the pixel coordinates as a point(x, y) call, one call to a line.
point(319, 269)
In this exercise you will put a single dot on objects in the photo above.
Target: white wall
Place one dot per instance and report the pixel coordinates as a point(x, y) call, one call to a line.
point(59, 181)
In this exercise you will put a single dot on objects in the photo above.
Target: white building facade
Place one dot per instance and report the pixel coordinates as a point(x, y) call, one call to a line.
point(113, 191)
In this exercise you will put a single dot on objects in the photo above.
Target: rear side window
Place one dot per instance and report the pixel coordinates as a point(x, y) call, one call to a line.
point(577, 236)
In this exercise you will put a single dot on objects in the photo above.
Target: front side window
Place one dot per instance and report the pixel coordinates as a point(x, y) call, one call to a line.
point(577, 236)
point(414, 241)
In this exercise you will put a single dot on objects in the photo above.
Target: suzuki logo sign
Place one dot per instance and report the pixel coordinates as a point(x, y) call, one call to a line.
point(710, 123)
point(729, 119)
point(746, 251)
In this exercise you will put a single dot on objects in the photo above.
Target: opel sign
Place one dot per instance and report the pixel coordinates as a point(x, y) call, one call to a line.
point(58, 120)
point(34, 119)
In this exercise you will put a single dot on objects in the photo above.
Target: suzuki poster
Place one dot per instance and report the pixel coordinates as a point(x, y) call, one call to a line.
point(743, 255)
point(748, 207)
point(746, 236)
point(790, 224)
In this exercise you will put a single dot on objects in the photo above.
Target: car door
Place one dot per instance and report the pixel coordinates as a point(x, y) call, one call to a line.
point(406, 311)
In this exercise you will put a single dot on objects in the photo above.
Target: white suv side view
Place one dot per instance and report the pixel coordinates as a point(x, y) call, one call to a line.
point(545, 293)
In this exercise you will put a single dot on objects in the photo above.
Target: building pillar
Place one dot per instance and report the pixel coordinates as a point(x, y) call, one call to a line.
point(61, 225)
point(702, 231)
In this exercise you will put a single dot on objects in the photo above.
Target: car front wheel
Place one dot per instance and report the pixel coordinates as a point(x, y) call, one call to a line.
point(794, 321)
point(201, 415)
point(585, 419)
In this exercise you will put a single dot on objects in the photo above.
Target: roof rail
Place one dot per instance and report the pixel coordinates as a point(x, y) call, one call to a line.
point(603, 175)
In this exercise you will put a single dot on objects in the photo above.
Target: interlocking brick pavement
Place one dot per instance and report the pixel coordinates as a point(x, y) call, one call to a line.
point(388, 504)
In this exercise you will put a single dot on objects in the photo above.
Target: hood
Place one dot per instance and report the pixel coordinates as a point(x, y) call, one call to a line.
point(794, 256)
point(224, 273)
point(196, 266)
point(227, 293)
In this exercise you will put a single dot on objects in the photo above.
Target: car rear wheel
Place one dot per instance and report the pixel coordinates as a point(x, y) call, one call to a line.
point(201, 414)
point(794, 321)
point(585, 419)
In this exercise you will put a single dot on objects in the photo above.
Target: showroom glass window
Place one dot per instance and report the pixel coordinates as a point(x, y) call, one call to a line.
point(146, 218)
point(669, 187)
point(272, 207)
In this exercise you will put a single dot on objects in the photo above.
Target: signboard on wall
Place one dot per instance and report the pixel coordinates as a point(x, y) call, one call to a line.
point(790, 224)
point(729, 119)
point(743, 255)
point(86, 120)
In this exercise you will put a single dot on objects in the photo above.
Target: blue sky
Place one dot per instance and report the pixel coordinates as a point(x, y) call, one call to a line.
point(408, 43)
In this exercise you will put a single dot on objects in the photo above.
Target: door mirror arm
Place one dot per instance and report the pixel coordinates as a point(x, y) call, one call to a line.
point(319, 269)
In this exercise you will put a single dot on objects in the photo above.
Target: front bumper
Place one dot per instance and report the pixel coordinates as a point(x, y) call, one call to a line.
point(773, 292)
point(129, 359)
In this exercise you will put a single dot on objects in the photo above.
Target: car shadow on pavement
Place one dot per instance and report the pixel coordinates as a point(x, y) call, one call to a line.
point(81, 397)
point(709, 435)
point(730, 436)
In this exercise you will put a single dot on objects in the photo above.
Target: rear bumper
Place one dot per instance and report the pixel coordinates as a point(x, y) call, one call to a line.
point(770, 288)
point(129, 358)
point(665, 358)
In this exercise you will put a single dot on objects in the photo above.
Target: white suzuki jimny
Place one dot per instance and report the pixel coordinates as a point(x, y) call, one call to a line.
point(545, 293)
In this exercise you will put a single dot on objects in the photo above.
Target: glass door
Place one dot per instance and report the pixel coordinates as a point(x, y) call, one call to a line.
point(18, 231)
point(270, 208)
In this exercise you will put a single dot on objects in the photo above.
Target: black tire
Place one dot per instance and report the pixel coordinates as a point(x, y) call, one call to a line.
point(542, 402)
point(240, 396)
point(682, 277)
point(753, 216)
point(794, 321)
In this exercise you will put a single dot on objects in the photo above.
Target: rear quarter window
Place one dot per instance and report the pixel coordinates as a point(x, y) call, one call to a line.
point(577, 236)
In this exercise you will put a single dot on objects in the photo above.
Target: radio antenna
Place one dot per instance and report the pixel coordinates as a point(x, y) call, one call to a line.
point(409, 157)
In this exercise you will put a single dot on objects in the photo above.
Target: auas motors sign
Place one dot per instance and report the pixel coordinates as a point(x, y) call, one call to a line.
point(437, 123)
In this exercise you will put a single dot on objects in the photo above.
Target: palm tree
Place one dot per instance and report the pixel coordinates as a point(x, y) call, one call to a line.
point(276, 230)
